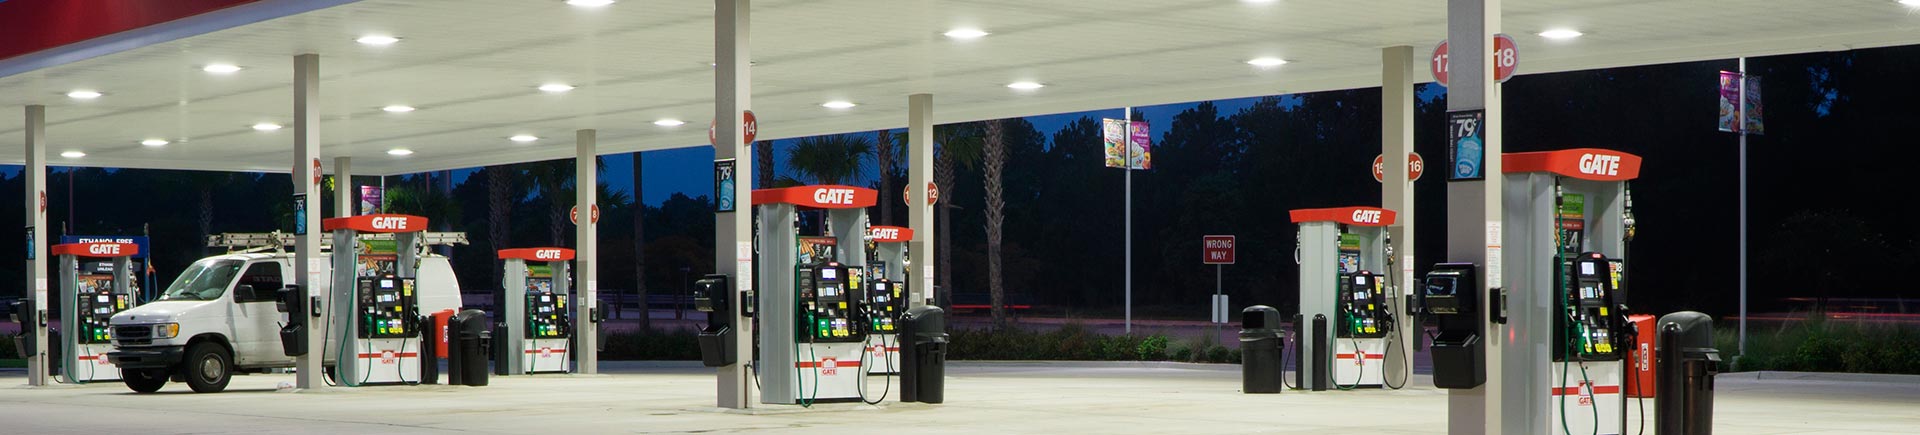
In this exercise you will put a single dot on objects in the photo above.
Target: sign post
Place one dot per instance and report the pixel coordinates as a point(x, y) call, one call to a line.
point(1218, 251)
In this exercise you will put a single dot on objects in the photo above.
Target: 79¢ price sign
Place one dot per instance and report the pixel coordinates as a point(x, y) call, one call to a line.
point(1466, 145)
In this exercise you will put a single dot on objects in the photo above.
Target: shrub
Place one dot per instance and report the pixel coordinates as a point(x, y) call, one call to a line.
point(1152, 348)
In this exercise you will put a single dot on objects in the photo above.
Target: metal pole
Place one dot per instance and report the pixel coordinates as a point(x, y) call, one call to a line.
point(34, 177)
point(587, 248)
point(310, 268)
point(1742, 110)
point(733, 231)
point(1126, 143)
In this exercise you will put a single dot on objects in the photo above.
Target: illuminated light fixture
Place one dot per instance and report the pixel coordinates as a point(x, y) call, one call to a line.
point(966, 33)
point(589, 3)
point(838, 104)
point(556, 87)
point(669, 122)
point(266, 126)
point(1266, 62)
point(1257, 1)
point(83, 94)
point(221, 68)
point(1914, 3)
point(154, 142)
point(523, 138)
point(1570, 33)
point(73, 154)
point(399, 152)
point(377, 40)
point(1026, 86)
point(397, 109)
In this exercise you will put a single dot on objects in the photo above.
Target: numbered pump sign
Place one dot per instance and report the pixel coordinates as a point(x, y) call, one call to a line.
point(1466, 145)
point(1506, 59)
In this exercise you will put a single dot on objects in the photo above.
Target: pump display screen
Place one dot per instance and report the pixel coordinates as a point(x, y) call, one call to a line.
point(547, 315)
point(886, 301)
point(387, 307)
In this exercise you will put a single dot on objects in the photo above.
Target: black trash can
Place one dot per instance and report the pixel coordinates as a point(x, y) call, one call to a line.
point(429, 351)
point(467, 350)
point(1686, 363)
point(923, 355)
point(1260, 344)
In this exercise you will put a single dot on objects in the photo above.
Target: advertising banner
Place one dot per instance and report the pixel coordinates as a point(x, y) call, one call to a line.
point(1130, 148)
point(372, 199)
point(1466, 145)
point(1755, 123)
point(136, 240)
point(1729, 102)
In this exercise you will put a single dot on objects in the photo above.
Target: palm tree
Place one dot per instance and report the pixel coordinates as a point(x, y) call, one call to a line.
point(831, 159)
point(957, 144)
point(887, 145)
point(502, 189)
point(639, 244)
point(994, 159)
point(763, 164)
point(554, 179)
point(423, 200)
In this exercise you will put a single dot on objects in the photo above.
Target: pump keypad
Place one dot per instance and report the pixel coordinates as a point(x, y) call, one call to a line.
point(96, 305)
point(1587, 325)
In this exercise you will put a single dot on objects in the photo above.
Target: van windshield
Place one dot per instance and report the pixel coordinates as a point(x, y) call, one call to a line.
point(203, 281)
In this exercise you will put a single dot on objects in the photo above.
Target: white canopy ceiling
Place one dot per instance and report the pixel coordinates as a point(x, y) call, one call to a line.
point(471, 67)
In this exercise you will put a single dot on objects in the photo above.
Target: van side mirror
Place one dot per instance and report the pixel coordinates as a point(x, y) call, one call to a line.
point(243, 293)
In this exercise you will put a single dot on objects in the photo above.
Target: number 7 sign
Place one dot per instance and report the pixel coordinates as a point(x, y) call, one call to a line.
point(1506, 59)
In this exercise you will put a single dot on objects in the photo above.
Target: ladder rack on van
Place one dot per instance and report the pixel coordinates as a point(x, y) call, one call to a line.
point(253, 242)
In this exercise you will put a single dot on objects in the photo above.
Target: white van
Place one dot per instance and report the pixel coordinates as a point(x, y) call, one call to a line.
point(219, 318)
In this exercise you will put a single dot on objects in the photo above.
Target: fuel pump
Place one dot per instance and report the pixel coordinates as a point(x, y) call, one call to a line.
point(1565, 231)
point(376, 309)
point(886, 296)
point(90, 294)
point(1350, 307)
point(536, 315)
point(814, 319)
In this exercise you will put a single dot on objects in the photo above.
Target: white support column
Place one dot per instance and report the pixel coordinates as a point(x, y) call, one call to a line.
point(1474, 214)
point(36, 218)
point(733, 231)
point(1396, 193)
point(343, 203)
point(310, 268)
point(586, 182)
point(919, 213)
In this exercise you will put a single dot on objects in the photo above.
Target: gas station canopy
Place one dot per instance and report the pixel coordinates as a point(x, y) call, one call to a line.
point(464, 76)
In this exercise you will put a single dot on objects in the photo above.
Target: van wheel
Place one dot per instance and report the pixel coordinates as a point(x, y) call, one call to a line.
point(144, 380)
point(207, 367)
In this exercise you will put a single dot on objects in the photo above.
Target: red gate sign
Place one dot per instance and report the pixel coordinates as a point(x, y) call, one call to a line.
point(1216, 249)
point(1506, 59)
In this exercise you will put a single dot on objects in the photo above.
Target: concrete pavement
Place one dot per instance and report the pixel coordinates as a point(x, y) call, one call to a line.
point(987, 397)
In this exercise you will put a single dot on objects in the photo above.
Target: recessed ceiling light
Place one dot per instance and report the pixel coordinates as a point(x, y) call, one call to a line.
point(1026, 85)
point(221, 68)
point(266, 126)
point(669, 122)
point(397, 109)
point(83, 94)
point(556, 87)
point(377, 40)
point(523, 138)
point(966, 33)
point(1566, 33)
point(838, 104)
point(73, 154)
point(589, 3)
point(399, 152)
point(154, 142)
point(1914, 3)
point(1257, 1)
point(1266, 62)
